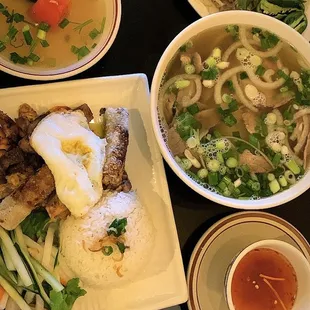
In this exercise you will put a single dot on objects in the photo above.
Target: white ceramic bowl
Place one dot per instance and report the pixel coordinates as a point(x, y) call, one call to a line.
point(113, 18)
point(293, 255)
point(215, 20)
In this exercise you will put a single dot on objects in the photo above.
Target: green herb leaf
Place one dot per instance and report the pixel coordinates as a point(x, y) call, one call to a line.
point(243, 75)
point(210, 74)
point(65, 299)
point(35, 224)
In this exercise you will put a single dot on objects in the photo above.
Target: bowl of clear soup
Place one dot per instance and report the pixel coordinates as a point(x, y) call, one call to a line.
point(230, 104)
point(49, 40)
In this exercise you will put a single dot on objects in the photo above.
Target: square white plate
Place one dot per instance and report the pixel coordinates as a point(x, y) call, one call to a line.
point(206, 7)
point(162, 283)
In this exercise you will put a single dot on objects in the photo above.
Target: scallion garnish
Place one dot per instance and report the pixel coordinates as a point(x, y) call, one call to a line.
point(260, 70)
point(27, 35)
point(18, 18)
point(94, 33)
point(83, 51)
point(44, 27)
point(74, 49)
point(44, 43)
point(11, 33)
point(122, 247)
point(94, 45)
point(107, 250)
point(41, 34)
point(64, 23)
point(80, 27)
point(117, 227)
point(34, 57)
point(102, 25)
point(17, 59)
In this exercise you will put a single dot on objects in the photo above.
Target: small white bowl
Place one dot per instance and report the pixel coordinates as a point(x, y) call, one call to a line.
point(293, 255)
point(112, 23)
point(215, 20)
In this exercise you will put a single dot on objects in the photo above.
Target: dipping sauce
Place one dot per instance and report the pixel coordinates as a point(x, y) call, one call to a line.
point(264, 280)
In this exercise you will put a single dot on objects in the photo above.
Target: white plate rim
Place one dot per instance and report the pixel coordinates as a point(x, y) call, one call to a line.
point(226, 223)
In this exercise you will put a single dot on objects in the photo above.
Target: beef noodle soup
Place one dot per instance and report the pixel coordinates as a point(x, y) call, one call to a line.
point(236, 107)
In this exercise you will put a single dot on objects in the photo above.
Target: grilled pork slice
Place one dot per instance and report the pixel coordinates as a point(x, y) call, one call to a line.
point(55, 208)
point(16, 207)
point(117, 136)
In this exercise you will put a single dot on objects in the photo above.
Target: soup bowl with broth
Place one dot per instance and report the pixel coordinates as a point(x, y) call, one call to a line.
point(230, 105)
point(44, 40)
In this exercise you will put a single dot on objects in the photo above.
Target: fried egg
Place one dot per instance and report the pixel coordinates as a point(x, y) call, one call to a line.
point(75, 156)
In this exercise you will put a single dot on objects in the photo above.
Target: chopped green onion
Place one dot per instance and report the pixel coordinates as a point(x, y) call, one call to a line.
point(222, 185)
point(243, 75)
point(29, 62)
point(217, 134)
point(284, 89)
point(254, 141)
point(34, 57)
point(180, 84)
point(281, 74)
point(83, 51)
point(41, 34)
point(233, 106)
point(74, 49)
point(12, 33)
point(64, 23)
point(122, 247)
point(189, 69)
point(230, 120)
point(202, 173)
point(274, 186)
point(27, 35)
point(107, 250)
point(227, 180)
point(44, 27)
point(290, 177)
point(94, 34)
point(94, 45)
point(270, 177)
point(260, 70)
point(282, 181)
point(231, 162)
point(276, 159)
point(239, 172)
point(17, 59)
point(223, 170)
point(210, 74)
point(102, 24)
point(213, 178)
point(293, 166)
point(213, 165)
point(18, 18)
point(230, 85)
point(44, 43)
point(193, 109)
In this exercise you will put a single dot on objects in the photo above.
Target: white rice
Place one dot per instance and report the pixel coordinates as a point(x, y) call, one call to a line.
point(94, 268)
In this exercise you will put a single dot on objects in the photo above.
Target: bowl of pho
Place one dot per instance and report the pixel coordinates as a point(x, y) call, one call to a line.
point(49, 40)
point(230, 105)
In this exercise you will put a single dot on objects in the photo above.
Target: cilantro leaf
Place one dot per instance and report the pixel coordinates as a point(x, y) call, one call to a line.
point(34, 225)
point(65, 299)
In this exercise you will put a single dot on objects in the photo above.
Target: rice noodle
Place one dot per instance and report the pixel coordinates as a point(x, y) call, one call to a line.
point(279, 116)
point(245, 42)
point(233, 47)
point(291, 152)
point(221, 81)
point(301, 113)
point(259, 83)
point(196, 97)
point(275, 293)
point(241, 96)
point(297, 130)
point(268, 74)
point(303, 137)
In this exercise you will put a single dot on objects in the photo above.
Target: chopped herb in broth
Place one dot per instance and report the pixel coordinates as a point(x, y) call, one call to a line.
point(264, 280)
point(43, 35)
point(238, 112)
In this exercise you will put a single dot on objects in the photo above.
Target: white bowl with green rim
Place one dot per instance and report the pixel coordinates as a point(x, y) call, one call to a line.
point(111, 26)
point(215, 20)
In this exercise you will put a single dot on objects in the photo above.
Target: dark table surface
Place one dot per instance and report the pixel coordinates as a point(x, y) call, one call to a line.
point(147, 27)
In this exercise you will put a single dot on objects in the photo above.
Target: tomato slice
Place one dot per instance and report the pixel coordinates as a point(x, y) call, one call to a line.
point(51, 12)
